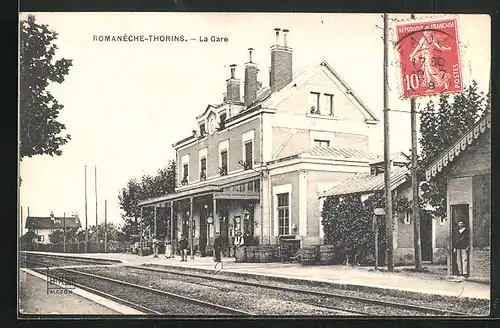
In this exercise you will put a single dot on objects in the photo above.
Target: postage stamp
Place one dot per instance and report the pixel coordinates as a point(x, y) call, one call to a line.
point(429, 58)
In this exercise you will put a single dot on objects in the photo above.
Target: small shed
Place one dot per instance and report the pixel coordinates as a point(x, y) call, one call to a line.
point(467, 166)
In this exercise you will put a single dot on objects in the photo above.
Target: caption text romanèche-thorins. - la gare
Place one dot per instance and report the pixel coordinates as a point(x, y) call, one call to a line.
point(157, 38)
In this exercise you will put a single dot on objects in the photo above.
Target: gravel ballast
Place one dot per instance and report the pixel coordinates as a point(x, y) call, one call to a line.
point(474, 307)
point(260, 300)
point(249, 299)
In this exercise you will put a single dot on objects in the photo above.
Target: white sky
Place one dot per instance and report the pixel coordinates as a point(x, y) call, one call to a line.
point(126, 103)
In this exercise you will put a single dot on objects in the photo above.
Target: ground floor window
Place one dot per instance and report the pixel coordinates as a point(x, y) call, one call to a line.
point(283, 213)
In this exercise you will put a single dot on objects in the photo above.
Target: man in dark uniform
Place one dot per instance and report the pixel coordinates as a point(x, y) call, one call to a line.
point(203, 244)
point(217, 246)
point(461, 248)
point(183, 246)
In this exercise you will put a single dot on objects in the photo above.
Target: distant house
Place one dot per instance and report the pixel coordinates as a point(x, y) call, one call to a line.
point(467, 167)
point(44, 226)
point(366, 184)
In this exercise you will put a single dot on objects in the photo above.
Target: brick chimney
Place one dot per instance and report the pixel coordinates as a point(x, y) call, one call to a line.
point(281, 63)
point(233, 87)
point(251, 83)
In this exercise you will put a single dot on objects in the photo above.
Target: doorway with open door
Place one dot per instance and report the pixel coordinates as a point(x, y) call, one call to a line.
point(460, 220)
point(224, 228)
point(426, 237)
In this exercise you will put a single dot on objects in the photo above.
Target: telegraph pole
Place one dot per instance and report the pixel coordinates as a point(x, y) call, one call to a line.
point(96, 215)
point(105, 226)
point(64, 232)
point(414, 184)
point(21, 230)
point(387, 160)
point(86, 218)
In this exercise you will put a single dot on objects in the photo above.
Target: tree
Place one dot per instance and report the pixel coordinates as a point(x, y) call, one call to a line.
point(148, 187)
point(56, 237)
point(112, 232)
point(348, 224)
point(39, 110)
point(439, 127)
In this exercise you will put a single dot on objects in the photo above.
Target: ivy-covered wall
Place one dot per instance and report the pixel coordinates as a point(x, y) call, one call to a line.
point(348, 225)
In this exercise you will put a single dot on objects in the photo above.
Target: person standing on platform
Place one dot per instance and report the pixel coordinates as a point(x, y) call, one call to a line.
point(168, 248)
point(156, 244)
point(217, 247)
point(238, 242)
point(203, 244)
point(461, 248)
point(183, 246)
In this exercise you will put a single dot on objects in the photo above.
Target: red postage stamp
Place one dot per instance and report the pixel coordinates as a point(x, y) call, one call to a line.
point(430, 58)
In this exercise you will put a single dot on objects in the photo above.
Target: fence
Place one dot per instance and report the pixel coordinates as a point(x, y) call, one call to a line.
point(112, 247)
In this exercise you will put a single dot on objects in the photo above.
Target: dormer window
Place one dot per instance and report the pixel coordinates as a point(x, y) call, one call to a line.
point(202, 130)
point(222, 124)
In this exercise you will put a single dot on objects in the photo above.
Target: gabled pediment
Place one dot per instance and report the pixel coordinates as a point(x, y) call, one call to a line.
point(303, 77)
point(210, 108)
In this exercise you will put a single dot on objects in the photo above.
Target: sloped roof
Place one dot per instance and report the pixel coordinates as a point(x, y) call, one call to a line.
point(458, 146)
point(366, 183)
point(36, 222)
point(301, 77)
point(338, 153)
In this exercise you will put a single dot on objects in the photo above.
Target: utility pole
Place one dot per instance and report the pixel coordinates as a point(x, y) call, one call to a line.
point(96, 214)
point(105, 226)
point(86, 218)
point(140, 236)
point(414, 185)
point(155, 221)
point(387, 154)
point(64, 232)
point(21, 214)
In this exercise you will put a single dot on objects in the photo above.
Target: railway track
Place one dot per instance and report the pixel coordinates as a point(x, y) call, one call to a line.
point(370, 302)
point(130, 293)
point(145, 299)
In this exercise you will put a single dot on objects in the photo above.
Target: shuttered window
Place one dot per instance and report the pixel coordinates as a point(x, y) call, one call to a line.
point(203, 168)
point(314, 103)
point(248, 154)
point(328, 109)
point(223, 160)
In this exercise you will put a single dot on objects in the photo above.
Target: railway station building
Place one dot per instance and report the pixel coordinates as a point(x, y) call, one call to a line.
point(467, 167)
point(258, 162)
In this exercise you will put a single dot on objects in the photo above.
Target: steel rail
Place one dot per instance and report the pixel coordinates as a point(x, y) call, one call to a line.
point(161, 292)
point(365, 300)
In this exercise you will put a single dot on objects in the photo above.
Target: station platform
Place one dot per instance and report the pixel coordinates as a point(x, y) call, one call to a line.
point(35, 299)
point(361, 278)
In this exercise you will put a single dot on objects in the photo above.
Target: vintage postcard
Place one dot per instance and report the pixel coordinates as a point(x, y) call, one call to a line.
point(254, 164)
